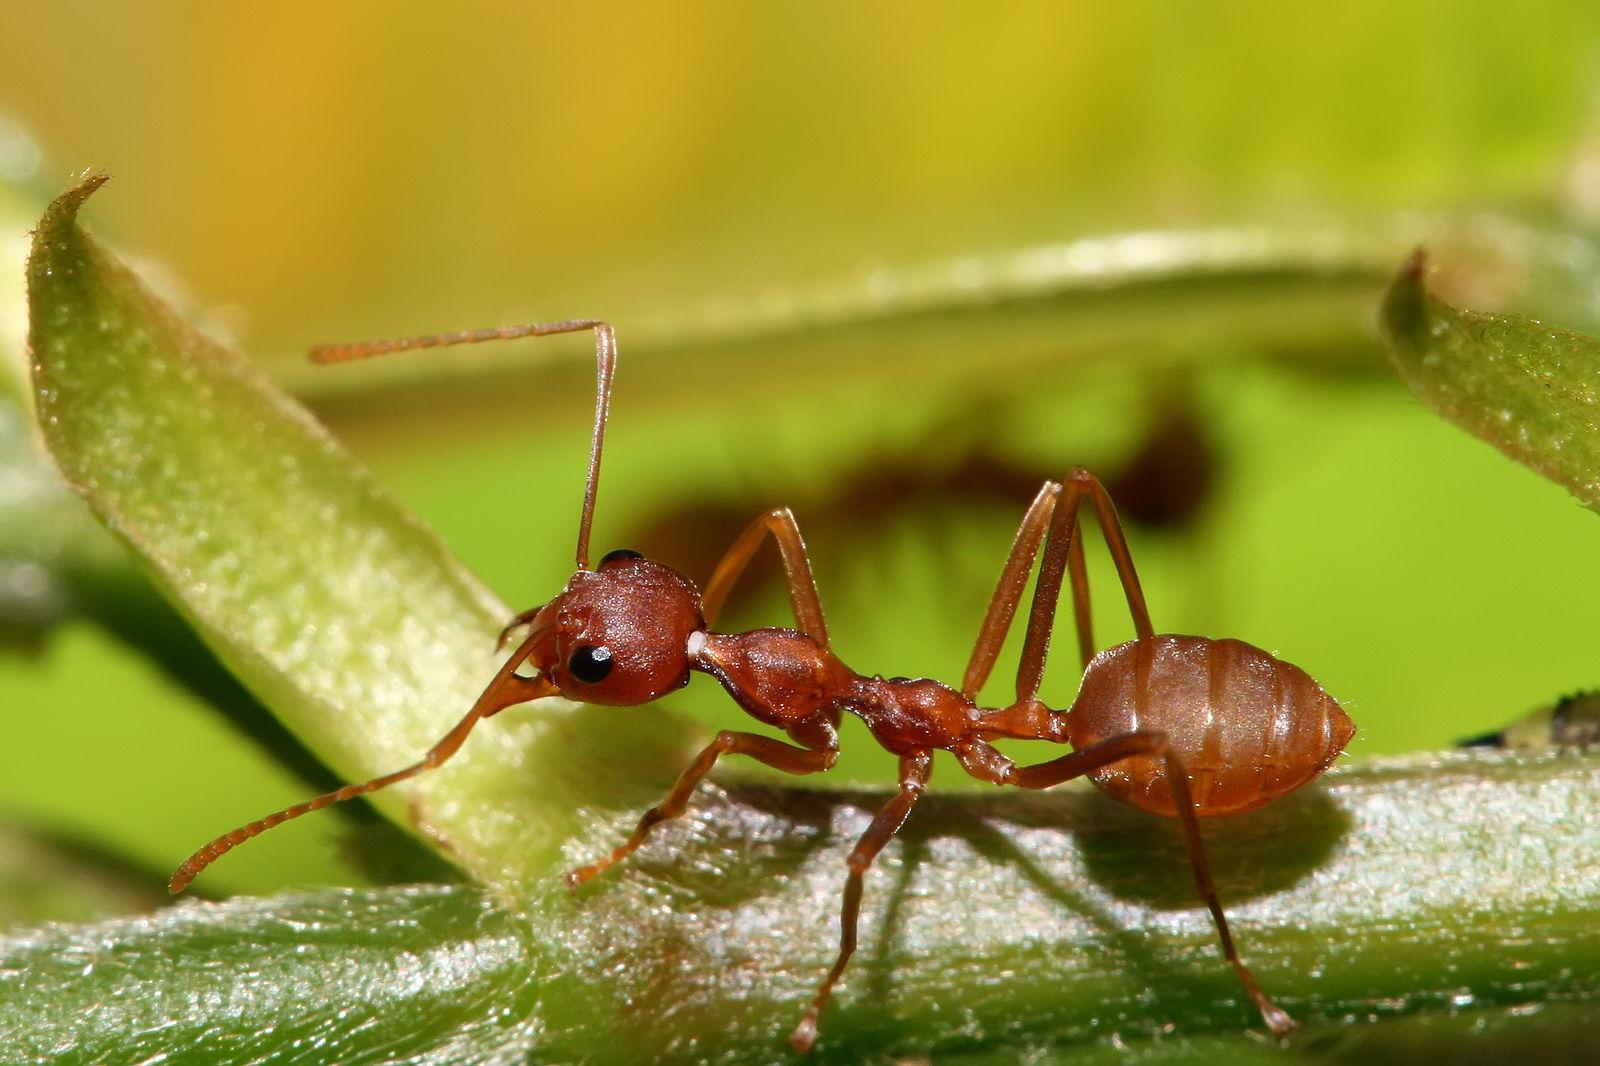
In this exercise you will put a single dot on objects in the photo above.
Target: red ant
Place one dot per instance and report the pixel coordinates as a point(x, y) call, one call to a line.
point(1185, 727)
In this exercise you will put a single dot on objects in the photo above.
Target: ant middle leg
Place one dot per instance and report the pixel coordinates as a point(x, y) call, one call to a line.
point(1063, 552)
point(1008, 592)
point(1052, 519)
point(915, 770)
point(1114, 749)
point(774, 753)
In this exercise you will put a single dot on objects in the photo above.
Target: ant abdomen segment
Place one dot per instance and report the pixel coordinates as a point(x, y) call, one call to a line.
point(1248, 727)
point(1182, 726)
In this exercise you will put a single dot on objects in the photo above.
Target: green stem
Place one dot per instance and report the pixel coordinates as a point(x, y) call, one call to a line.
point(1415, 889)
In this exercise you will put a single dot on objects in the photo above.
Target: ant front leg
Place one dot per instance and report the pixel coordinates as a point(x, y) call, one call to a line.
point(802, 586)
point(1115, 749)
point(914, 772)
point(774, 753)
point(507, 689)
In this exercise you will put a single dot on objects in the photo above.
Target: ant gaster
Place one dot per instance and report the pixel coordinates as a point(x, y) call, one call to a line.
point(1181, 726)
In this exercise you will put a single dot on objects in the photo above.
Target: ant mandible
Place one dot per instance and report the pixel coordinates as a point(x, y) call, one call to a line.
point(1181, 726)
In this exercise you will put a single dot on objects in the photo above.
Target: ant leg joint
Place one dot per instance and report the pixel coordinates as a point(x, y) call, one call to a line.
point(878, 834)
point(984, 762)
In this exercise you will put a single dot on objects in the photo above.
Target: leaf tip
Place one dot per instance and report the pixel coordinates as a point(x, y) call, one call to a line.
point(49, 235)
point(1403, 317)
point(1416, 263)
point(64, 208)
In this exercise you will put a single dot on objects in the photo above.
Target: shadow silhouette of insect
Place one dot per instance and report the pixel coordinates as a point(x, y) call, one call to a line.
point(1180, 726)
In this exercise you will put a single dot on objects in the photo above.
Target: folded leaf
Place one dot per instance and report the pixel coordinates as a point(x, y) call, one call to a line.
point(1531, 391)
point(330, 601)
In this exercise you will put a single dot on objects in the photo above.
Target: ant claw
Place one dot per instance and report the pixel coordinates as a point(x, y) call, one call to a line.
point(1279, 1021)
point(804, 1036)
point(512, 626)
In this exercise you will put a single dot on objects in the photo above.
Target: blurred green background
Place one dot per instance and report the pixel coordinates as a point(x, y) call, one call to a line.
point(811, 227)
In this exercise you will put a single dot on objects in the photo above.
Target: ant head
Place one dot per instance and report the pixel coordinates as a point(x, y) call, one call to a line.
point(619, 633)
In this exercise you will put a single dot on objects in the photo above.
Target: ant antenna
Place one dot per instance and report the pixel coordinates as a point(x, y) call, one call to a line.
point(507, 688)
point(605, 355)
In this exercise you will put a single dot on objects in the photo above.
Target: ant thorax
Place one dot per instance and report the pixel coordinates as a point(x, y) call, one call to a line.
point(779, 676)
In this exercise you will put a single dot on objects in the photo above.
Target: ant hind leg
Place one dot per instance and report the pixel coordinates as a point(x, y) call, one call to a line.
point(1114, 749)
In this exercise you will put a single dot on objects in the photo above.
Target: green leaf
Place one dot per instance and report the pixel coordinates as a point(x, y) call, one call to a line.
point(328, 600)
point(1453, 890)
point(1528, 389)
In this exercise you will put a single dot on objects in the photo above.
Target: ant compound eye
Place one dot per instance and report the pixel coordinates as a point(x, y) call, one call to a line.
point(590, 663)
point(617, 556)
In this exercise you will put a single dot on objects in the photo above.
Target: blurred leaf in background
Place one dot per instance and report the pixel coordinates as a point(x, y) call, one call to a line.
point(890, 266)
